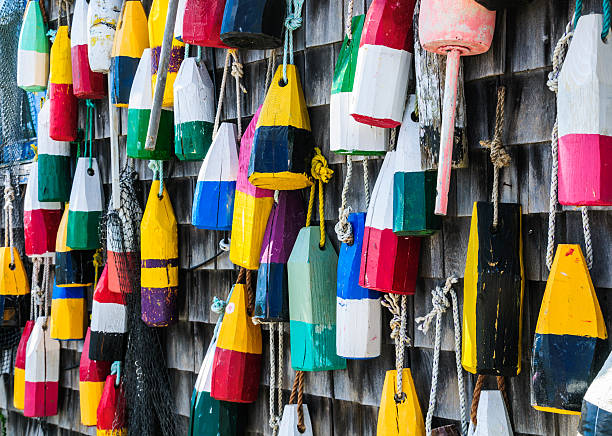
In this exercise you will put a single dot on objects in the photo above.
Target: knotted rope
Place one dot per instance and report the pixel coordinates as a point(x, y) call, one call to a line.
point(501, 386)
point(9, 198)
point(297, 394)
point(343, 229)
point(320, 172)
point(398, 334)
point(157, 166)
point(499, 157)
point(293, 21)
point(440, 304)
point(237, 73)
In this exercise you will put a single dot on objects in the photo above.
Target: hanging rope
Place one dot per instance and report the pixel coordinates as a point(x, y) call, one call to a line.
point(157, 166)
point(221, 93)
point(606, 20)
point(440, 304)
point(270, 69)
point(89, 130)
point(98, 262)
point(297, 394)
point(35, 292)
point(276, 377)
point(237, 73)
point(343, 229)
point(366, 181)
point(46, 287)
point(349, 20)
point(293, 21)
point(398, 334)
point(9, 198)
point(320, 172)
point(501, 386)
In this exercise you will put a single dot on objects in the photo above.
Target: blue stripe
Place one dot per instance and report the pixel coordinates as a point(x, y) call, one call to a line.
point(281, 148)
point(68, 292)
point(272, 296)
point(595, 421)
point(122, 70)
point(213, 205)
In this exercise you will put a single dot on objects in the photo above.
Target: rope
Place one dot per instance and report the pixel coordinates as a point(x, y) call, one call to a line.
point(9, 198)
point(298, 391)
point(499, 157)
point(98, 261)
point(276, 377)
point(577, 12)
point(440, 303)
point(270, 68)
point(221, 94)
point(36, 262)
point(89, 130)
point(320, 171)
point(46, 287)
point(501, 386)
point(398, 334)
point(349, 19)
point(157, 166)
point(606, 20)
point(343, 229)
point(293, 21)
point(366, 181)
point(237, 73)
point(250, 291)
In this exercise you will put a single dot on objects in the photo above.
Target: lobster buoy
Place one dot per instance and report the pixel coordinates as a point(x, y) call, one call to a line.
point(72, 267)
point(404, 418)
point(63, 109)
point(19, 374)
point(33, 50)
point(86, 83)
point(92, 375)
point(13, 276)
point(596, 416)
point(289, 421)
point(202, 23)
point(491, 416)
point(86, 206)
point(102, 17)
point(111, 420)
point(253, 24)
point(68, 309)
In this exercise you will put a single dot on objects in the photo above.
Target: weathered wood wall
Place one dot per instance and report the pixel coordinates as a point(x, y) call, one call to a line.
point(346, 402)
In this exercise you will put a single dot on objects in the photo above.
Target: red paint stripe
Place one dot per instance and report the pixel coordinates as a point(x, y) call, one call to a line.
point(63, 107)
point(23, 343)
point(116, 277)
point(387, 123)
point(86, 83)
point(103, 293)
point(235, 376)
point(40, 230)
point(111, 408)
point(389, 23)
point(40, 399)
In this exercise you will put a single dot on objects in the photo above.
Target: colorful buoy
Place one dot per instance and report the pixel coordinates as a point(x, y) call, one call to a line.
point(111, 410)
point(252, 208)
point(33, 50)
point(570, 336)
point(86, 83)
point(72, 267)
point(194, 110)
point(253, 24)
point(159, 260)
point(131, 38)
point(63, 109)
point(68, 310)
point(102, 17)
point(284, 224)
point(383, 64)
point(596, 416)
point(202, 23)
point(358, 310)
point(139, 112)
point(347, 136)
point(213, 201)
point(405, 418)
point(19, 374)
point(491, 416)
point(13, 276)
point(92, 375)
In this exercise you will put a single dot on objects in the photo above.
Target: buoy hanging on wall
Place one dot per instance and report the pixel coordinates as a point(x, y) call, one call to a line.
point(202, 23)
point(86, 83)
point(72, 267)
point(570, 338)
point(253, 25)
point(252, 208)
point(596, 416)
point(19, 374)
point(92, 375)
point(63, 124)
point(347, 136)
point(131, 38)
point(585, 155)
point(289, 421)
point(139, 112)
point(33, 50)
point(383, 64)
point(404, 418)
point(213, 201)
point(283, 146)
point(491, 416)
point(68, 309)
point(102, 17)
point(111, 410)
point(194, 110)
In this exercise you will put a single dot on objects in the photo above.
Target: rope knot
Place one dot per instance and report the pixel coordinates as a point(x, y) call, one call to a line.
point(98, 261)
point(218, 305)
point(499, 156)
point(343, 229)
point(440, 303)
point(319, 168)
point(293, 21)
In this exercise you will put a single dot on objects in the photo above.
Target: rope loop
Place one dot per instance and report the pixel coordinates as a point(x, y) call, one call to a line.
point(293, 21)
point(320, 172)
point(501, 386)
point(297, 397)
point(344, 231)
point(218, 305)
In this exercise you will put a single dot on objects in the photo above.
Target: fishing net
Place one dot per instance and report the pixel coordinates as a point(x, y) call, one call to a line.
point(149, 401)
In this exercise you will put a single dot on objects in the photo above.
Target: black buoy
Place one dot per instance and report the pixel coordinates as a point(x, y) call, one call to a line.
point(253, 24)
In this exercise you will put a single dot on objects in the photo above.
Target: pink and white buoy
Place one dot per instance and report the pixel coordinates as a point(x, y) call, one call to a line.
point(453, 28)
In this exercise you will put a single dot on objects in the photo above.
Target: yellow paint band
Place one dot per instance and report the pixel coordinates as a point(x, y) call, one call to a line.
point(555, 410)
point(285, 180)
point(61, 61)
point(470, 287)
point(19, 388)
point(159, 277)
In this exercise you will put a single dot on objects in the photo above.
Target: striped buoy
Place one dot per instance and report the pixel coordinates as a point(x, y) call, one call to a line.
point(596, 416)
point(102, 17)
point(347, 136)
point(63, 109)
point(108, 322)
point(86, 83)
point(40, 219)
point(194, 110)
point(157, 24)
point(139, 112)
point(284, 224)
point(403, 418)
point(238, 356)
point(86, 205)
point(159, 260)
point(68, 310)
point(72, 267)
point(92, 375)
point(54, 175)
point(111, 410)
point(251, 208)
point(253, 24)
point(19, 374)
point(213, 201)
point(33, 50)
point(283, 146)
point(202, 23)
point(131, 38)
point(358, 310)
point(41, 372)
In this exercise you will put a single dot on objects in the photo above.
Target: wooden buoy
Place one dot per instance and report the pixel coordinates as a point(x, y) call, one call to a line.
point(283, 146)
point(253, 24)
point(157, 24)
point(202, 23)
point(492, 416)
point(13, 276)
point(139, 112)
point(33, 50)
point(102, 18)
point(584, 90)
point(92, 375)
point(404, 418)
point(86, 83)
point(493, 292)
point(213, 201)
point(383, 64)
point(86, 206)
point(40, 219)
point(358, 310)
point(238, 357)
point(312, 310)
point(289, 421)
point(131, 38)
point(68, 309)
point(41, 372)
point(63, 109)
point(347, 136)
point(19, 374)
point(108, 322)
point(194, 110)
point(54, 175)
point(414, 187)
point(596, 416)
point(570, 336)
point(453, 28)
point(389, 263)
point(284, 224)
point(252, 208)
point(72, 267)
point(159, 260)
point(111, 420)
